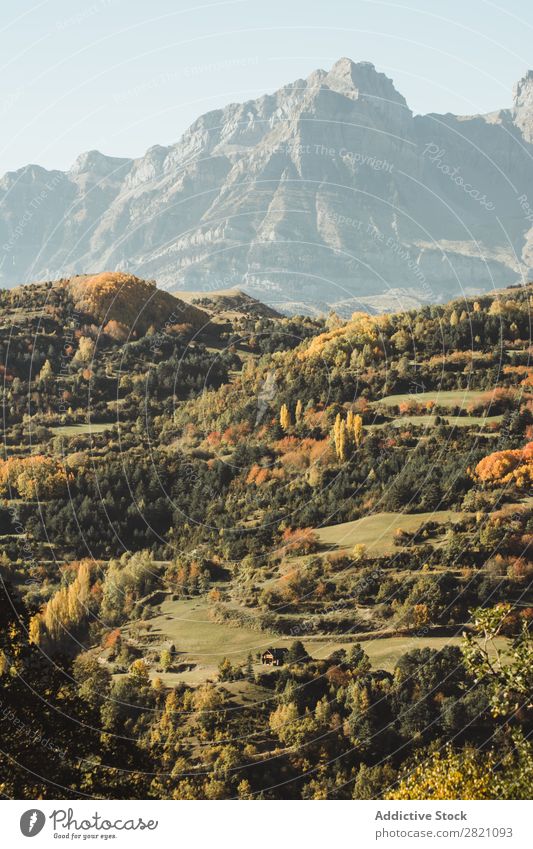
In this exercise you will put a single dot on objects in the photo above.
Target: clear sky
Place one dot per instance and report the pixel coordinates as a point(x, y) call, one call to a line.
point(122, 75)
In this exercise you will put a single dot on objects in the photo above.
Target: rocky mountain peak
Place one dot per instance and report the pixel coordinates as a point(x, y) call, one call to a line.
point(522, 87)
point(360, 80)
point(97, 164)
point(523, 106)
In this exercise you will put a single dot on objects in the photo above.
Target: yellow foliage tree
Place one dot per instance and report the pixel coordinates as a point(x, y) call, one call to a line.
point(33, 477)
point(140, 672)
point(340, 438)
point(36, 632)
point(349, 421)
point(357, 430)
point(85, 351)
point(285, 417)
point(470, 774)
point(46, 372)
point(449, 775)
point(65, 611)
point(4, 663)
point(283, 720)
point(359, 552)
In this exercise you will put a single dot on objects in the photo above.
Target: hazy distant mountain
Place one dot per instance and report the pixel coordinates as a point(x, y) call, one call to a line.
point(327, 192)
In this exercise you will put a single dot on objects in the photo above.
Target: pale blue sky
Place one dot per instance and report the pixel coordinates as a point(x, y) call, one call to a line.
point(122, 75)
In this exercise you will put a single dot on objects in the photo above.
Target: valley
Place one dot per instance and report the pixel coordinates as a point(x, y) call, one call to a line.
point(186, 484)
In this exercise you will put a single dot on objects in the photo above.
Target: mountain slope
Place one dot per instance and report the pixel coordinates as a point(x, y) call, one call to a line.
point(328, 192)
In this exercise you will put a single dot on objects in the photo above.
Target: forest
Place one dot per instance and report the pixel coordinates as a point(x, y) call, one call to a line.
point(186, 485)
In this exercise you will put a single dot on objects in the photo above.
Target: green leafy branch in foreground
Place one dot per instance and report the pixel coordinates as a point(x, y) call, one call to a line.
point(508, 672)
point(505, 772)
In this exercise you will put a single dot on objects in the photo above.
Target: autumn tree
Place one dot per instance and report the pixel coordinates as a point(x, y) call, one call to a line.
point(506, 773)
point(357, 429)
point(46, 373)
point(285, 418)
point(33, 477)
point(340, 438)
point(165, 660)
point(139, 672)
point(349, 421)
point(282, 721)
point(359, 552)
point(300, 540)
point(225, 670)
point(65, 612)
point(469, 774)
point(502, 467)
point(85, 351)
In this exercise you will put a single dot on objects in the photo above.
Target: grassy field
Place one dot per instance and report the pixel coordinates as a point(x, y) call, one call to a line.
point(384, 653)
point(200, 641)
point(203, 643)
point(454, 398)
point(451, 421)
point(377, 531)
point(185, 622)
point(78, 429)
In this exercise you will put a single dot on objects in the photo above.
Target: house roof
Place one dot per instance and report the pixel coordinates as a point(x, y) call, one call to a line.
point(276, 652)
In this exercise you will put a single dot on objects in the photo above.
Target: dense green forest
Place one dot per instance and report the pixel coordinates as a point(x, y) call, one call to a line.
point(186, 486)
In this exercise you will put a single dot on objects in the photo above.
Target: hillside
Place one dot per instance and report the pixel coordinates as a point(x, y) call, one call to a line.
point(350, 201)
point(134, 303)
point(355, 495)
point(229, 304)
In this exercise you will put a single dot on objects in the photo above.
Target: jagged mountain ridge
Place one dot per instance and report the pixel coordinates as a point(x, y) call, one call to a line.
point(328, 192)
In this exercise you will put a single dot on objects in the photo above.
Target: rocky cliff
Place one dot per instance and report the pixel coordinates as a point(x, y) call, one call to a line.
point(327, 192)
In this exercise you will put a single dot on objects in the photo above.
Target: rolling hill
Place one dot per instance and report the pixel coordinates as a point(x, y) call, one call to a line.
point(132, 302)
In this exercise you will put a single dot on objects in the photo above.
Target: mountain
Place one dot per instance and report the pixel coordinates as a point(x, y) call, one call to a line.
point(329, 192)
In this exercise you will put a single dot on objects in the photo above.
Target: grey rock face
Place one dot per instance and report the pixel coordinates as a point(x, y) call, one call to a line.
point(523, 106)
point(327, 193)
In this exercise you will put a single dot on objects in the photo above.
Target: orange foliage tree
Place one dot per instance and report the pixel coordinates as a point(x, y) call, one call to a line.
point(301, 540)
point(503, 467)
